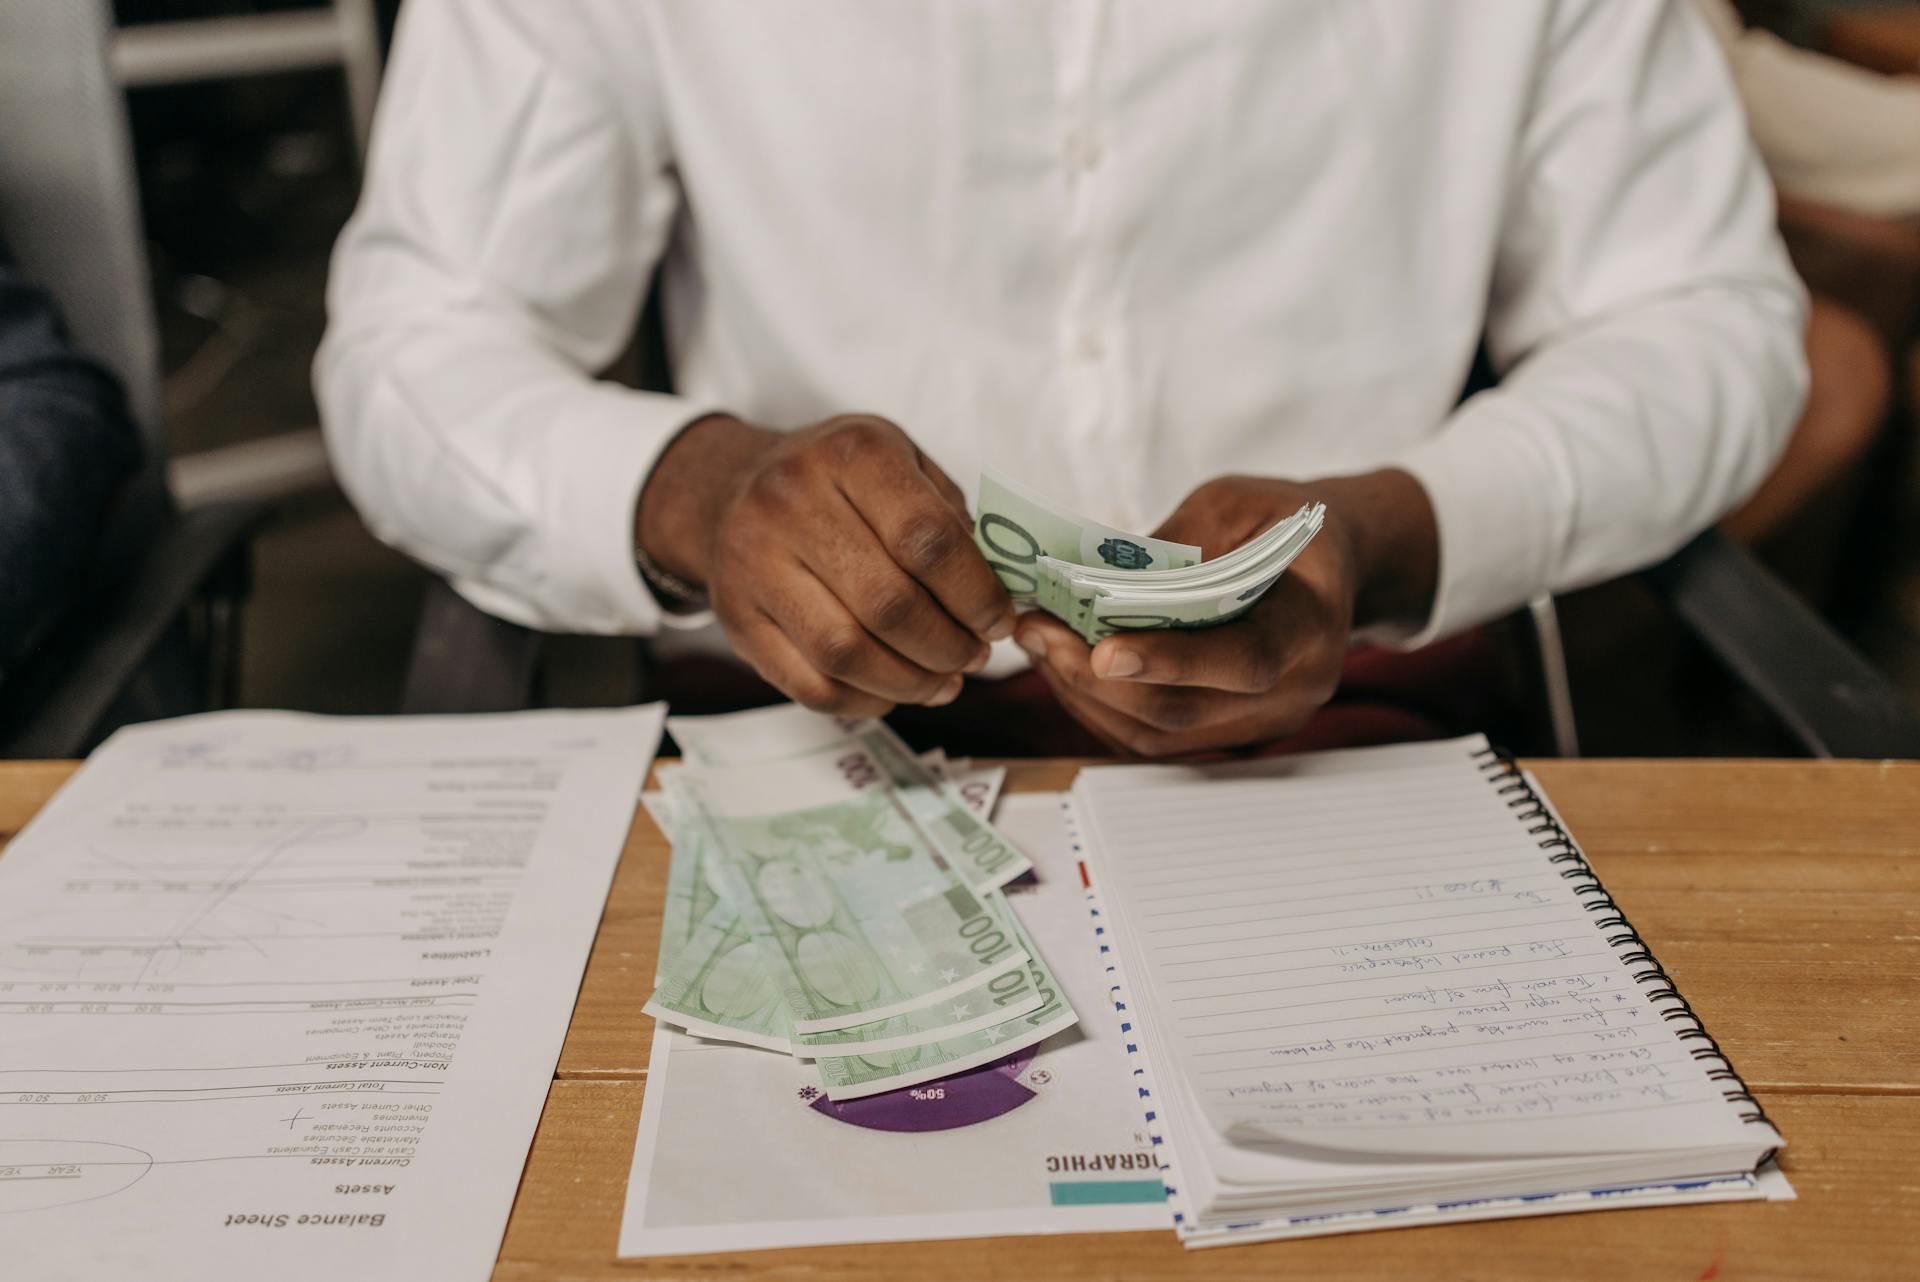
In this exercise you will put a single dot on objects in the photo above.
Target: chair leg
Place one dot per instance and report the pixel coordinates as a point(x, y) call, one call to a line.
point(465, 660)
point(1554, 683)
point(221, 615)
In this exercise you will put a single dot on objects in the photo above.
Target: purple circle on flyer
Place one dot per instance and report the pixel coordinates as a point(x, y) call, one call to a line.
point(965, 1099)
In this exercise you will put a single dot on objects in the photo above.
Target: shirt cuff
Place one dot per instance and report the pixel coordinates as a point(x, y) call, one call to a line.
point(598, 468)
point(1502, 502)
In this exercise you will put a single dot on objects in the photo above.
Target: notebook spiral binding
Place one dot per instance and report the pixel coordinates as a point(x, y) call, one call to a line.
point(1531, 809)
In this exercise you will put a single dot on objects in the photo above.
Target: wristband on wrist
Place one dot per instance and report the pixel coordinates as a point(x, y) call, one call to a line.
point(675, 591)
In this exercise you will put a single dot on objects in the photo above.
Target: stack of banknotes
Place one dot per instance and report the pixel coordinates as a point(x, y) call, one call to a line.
point(834, 897)
point(1099, 580)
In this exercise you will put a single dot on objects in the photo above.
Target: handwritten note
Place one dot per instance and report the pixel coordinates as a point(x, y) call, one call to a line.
point(1371, 954)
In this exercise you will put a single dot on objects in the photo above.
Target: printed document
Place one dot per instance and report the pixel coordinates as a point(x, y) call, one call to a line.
point(281, 995)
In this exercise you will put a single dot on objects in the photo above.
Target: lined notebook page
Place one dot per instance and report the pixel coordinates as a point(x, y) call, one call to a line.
point(1369, 952)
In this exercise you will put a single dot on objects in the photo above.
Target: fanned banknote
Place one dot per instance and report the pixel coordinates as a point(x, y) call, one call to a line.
point(721, 981)
point(976, 787)
point(1008, 994)
point(1099, 580)
point(725, 992)
point(718, 985)
point(857, 917)
point(963, 837)
point(690, 892)
point(872, 1070)
point(788, 732)
point(713, 983)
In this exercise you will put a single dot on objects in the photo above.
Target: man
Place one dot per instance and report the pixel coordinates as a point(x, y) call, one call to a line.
point(1206, 260)
point(66, 444)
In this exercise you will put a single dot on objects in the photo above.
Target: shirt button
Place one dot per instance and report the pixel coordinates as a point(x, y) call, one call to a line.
point(1091, 348)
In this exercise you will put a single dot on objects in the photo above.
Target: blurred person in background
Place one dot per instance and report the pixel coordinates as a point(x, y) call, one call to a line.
point(1828, 131)
point(1202, 261)
point(66, 446)
point(1848, 139)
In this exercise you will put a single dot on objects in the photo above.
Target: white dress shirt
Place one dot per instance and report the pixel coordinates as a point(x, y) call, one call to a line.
point(1113, 249)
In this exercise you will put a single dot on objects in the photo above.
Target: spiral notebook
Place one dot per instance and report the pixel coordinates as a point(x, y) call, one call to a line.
point(1385, 986)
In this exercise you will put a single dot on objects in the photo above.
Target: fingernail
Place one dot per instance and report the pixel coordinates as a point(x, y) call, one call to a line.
point(1034, 644)
point(978, 661)
point(1002, 629)
point(947, 693)
point(1122, 663)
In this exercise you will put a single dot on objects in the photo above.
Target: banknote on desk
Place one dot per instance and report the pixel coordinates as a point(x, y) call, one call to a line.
point(812, 909)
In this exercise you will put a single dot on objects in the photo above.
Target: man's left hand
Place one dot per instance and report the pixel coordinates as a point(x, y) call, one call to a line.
point(1263, 676)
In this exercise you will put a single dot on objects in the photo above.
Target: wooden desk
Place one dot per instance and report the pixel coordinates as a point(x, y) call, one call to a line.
point(1784, 897)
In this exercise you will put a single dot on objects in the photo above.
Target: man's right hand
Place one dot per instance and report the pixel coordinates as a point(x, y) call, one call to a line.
point(839, 559)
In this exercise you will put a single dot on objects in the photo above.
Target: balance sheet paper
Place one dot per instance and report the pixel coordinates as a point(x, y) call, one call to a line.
point(281, 995)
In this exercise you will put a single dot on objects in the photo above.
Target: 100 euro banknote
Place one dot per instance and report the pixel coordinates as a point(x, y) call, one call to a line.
point(1018, 531)
point(718, 985)
point(1099, 580)
point(724, 990)
point(857, 918)
point(871, 1070)
point(965, 838)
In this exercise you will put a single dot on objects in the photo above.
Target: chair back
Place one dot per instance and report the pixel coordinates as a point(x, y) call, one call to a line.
point(69, 204)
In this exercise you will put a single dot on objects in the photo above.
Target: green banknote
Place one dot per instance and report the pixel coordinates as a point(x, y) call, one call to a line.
point(732, 1009)
point(1016, 530)
point(676, 913)
point(978, 787)
point(723, 990)
point(857, 918)
point(872, 1070)
point(1099, 580)
point(940, 807)
point(690, 891)
point(1001, 998)
point(718, 985)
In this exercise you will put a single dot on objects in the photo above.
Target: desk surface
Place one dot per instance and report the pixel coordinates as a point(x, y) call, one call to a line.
point(1783, 896)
